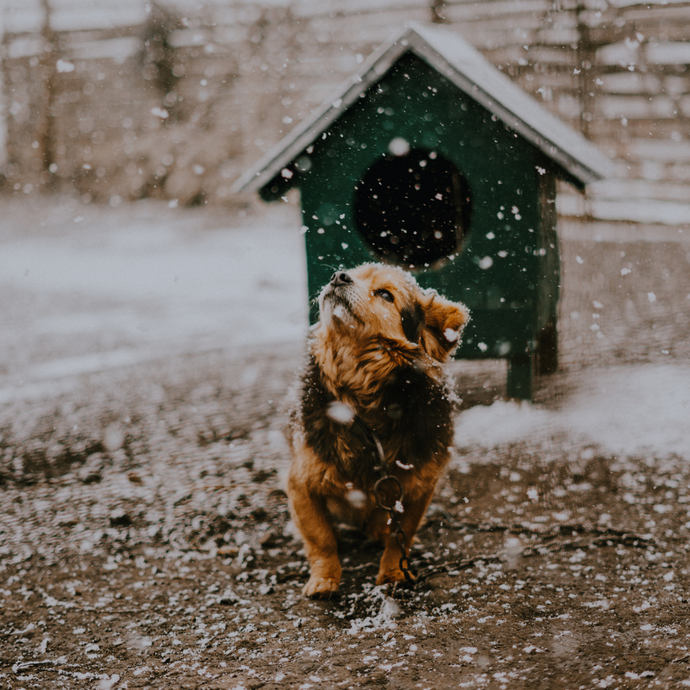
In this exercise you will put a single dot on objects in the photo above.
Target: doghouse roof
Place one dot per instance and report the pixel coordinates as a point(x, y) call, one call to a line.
point(464, 66)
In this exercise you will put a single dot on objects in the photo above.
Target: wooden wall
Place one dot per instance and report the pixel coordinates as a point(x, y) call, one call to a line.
point(182, 117)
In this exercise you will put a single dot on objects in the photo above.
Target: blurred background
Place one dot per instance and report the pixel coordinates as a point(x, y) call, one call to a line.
point(123, 126)
point(112, 102)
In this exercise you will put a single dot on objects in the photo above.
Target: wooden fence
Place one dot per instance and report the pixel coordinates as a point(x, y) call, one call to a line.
point(174, 100)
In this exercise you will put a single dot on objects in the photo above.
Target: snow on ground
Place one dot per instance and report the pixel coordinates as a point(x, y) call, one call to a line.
point(86, 288)
point(628, 410)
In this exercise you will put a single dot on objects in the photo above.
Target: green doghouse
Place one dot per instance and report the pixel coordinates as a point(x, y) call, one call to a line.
point(432, 159)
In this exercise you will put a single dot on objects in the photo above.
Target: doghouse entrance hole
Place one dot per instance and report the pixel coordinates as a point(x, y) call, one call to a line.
point(413, 209)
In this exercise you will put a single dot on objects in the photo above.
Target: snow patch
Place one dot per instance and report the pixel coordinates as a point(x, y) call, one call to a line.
point(626, 410)
point(157, 281)
point(385, 618)
point(502, 422)
point(340, 412)
point(64, 66)
point(399, 147)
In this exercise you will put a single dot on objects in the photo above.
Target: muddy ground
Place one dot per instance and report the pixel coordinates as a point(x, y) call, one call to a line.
point(145, 544)
point(144, 532)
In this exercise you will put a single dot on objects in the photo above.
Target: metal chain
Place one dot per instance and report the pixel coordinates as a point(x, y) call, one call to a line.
point(397, 504)
point(396, 530)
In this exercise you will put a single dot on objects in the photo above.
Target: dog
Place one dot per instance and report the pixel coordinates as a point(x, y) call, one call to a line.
point(373, 378)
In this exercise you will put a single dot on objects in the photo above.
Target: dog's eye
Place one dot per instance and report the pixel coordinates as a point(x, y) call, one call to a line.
point(385, 294)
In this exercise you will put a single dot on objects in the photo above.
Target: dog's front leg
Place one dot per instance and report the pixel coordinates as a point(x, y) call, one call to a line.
point(414, 507)
point(311, 517)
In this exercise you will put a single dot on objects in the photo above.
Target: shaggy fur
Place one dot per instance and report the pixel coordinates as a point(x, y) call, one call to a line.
point(374, 361)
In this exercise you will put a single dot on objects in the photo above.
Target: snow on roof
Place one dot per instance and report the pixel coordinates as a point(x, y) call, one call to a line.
point(470, 71)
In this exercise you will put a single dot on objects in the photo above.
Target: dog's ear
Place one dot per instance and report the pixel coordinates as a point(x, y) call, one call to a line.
point(443, 324)
point(412, 318)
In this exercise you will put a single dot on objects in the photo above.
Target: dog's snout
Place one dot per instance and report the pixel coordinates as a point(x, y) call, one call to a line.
point(340, 278)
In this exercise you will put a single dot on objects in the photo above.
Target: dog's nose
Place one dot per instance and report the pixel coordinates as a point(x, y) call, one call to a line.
point(340, 278)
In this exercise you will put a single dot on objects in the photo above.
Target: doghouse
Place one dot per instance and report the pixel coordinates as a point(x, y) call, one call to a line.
point(432, 159)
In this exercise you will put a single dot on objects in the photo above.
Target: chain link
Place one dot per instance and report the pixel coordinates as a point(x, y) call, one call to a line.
point(396, 505)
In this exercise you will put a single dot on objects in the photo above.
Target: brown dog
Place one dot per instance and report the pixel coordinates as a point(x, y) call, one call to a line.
point(374, 365)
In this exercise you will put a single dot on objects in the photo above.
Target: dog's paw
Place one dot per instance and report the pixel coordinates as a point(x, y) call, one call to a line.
point(320, 587)
point(391, 577)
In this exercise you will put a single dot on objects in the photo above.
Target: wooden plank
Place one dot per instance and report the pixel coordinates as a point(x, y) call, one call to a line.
point(599, 231)
point(118, 49)
point(350, 27)
point(561, 36)
point(506, 55)
point(463, 12)
point(557, 81)
point(614, 133)
point(640, 189)
point(496, 23)
point(184, 38)
point(308, 8)
point(237, 14)
point(563, 5)
point(672, 13)
point(660, 150)
point(635, 107)
point(614, 29)
point(629, 83)
point(493, 40)
point(551, 55)
point(231, 35)
point(85, 17)
point(330, 68)
point(639, 210)
point(669, 53)
point(621, 54)
point(20, 18)
point(26, 46)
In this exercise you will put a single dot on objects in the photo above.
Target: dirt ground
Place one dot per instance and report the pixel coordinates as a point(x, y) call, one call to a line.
point(145, 538)
point(145, 544)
